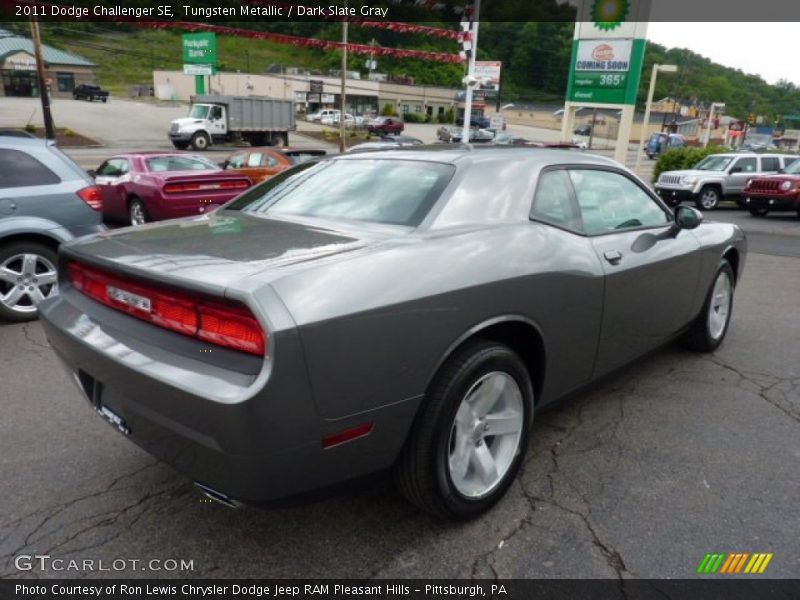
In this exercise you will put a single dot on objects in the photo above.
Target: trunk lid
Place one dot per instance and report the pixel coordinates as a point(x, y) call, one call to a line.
point(212, 252)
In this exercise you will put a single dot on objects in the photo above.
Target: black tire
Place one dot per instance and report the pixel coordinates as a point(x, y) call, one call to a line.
point(708, 198)
point(200, 141)
point(280, 140)
point(699, 337)
point(24, 309)
point(758, 212)
point(137, 212)
point(181, 145)
point(422, 472)
point(105, 99)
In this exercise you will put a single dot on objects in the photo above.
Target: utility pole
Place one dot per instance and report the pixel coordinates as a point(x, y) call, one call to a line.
point(342, 103)
point(49, 130)
point(469, 80)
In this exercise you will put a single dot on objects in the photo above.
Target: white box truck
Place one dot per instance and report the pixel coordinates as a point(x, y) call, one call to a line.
point(214, 119)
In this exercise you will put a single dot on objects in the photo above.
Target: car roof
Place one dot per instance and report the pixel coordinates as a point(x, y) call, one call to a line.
point(27, 142)
point(465, 154)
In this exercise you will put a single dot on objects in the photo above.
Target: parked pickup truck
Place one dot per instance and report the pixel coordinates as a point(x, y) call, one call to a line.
point(716, 177)
point(90, 92)
point(214, 119)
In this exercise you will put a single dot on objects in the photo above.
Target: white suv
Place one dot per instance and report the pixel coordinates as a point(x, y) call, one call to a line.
point(716, 177)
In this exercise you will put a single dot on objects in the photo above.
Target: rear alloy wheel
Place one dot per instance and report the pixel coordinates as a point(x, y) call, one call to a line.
point(137, 212)
point(468, 441)
point(200, 141)
point(27, 276)
point(758, 212)
point(711, 325)
point(709, 198)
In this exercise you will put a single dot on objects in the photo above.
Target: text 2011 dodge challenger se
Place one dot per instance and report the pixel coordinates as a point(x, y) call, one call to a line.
point(406, 309)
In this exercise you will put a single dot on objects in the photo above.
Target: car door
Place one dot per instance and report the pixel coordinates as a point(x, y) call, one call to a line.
point(739, 172)
point(110, 177)
point(651, 268)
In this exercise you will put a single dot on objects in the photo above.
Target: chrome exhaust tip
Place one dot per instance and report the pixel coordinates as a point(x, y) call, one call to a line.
point(217, 496)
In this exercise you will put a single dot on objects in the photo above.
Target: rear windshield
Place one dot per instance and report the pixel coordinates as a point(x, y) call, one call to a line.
point(179, 163)
point(393, 192)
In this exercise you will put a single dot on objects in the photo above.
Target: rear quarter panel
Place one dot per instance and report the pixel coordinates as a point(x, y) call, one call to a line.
point(375, 327)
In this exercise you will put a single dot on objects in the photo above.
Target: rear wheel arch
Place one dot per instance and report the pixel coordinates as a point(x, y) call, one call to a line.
point(519, 333)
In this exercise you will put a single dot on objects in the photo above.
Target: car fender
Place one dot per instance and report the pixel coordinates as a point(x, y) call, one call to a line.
point(704, 181)
point(476, 329)
point(34, 226)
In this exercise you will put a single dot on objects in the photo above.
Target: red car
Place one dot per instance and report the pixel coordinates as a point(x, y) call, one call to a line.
point(779, 192)
point(151, 186)
point(384, 125)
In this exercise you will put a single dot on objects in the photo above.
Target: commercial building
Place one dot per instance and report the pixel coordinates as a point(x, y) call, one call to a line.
point(63, 71)
point(312, 92)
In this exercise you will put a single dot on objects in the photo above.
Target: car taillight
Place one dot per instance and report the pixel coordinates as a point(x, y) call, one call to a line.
point(172, 188)
point(92, 196)
point(218, 323)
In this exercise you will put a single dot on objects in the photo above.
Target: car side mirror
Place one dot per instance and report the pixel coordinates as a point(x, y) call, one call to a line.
point(687, 217)
point(91, 173)
point(223, 165)
point(736, 170)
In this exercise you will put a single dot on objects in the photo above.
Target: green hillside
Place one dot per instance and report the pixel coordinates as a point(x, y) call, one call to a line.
point(535, 59)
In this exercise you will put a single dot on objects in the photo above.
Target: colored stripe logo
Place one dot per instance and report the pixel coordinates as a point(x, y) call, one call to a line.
point(734, 563)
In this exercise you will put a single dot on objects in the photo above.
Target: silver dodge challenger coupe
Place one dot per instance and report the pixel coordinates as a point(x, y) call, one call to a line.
point(408, 309)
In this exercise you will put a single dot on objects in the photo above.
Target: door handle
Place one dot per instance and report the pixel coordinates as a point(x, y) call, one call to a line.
point(613, 256)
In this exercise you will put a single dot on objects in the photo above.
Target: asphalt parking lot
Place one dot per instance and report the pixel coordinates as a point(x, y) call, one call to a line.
point(677, 456)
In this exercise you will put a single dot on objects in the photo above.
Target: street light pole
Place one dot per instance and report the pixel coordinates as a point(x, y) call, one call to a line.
point(707, 136)
point(342, 103)
point(470, 78)
point(49, 130)
point(646, 120)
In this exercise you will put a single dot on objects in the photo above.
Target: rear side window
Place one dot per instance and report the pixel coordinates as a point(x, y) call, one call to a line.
point(19, 169)
point(553, 201)
point(770, 163)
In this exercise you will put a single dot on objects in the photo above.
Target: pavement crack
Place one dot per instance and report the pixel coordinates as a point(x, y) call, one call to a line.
point(763, 390)
point(60, 508)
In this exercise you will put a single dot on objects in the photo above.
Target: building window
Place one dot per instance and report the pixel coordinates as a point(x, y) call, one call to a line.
point(65, 82)
point(418, 108)
point(441, 110)
point(404, 108)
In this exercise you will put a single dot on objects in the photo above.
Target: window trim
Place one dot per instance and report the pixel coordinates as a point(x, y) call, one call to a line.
point(611, 169)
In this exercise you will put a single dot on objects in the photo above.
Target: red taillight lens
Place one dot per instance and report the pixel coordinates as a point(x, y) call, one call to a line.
point(230, 326)
point(214, 322)
point(92, 196)
point(199, 186)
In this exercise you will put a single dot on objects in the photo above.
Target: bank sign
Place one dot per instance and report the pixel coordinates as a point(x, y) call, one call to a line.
point(199, 48)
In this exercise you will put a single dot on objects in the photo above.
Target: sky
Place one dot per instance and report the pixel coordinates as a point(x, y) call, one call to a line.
point(760, 48)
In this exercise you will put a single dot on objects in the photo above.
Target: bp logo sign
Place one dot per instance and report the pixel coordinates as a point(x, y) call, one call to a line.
point(609, 14)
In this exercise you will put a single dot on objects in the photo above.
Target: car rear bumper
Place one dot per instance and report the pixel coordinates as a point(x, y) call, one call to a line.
point(771, 202)
point(254, 437)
